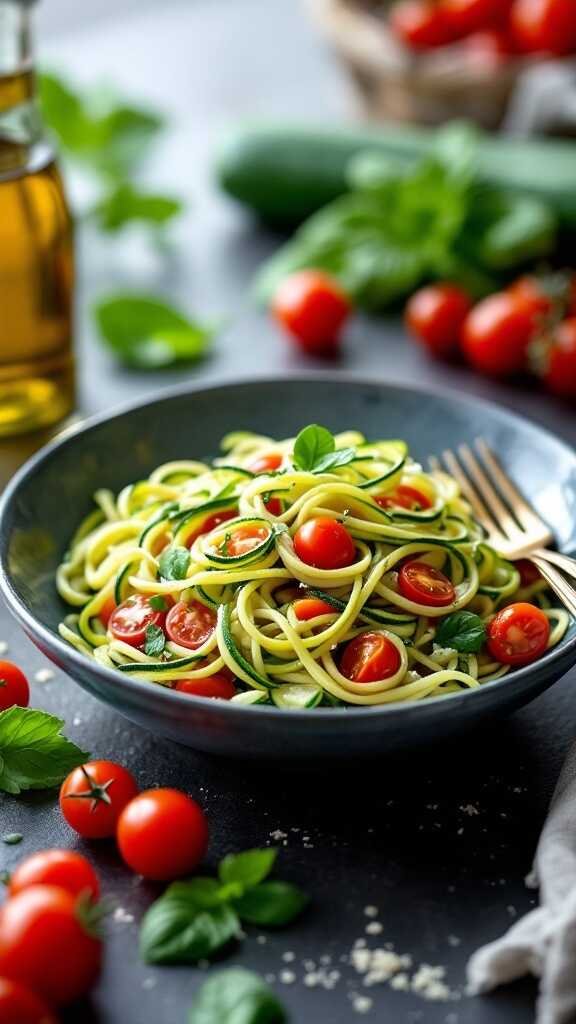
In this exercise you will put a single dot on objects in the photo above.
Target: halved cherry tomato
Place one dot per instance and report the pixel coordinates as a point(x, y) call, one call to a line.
point(130, 620)
point(309, 607)
point(210, 523)
point(421, 24)
point(93, 796)
point(423, 584)
point(529, 574)
point(325, 544)
point(244, 539)
point(435, 315)
point(66, 868)
point(107, 610)
point(370, 657)
point(266, 463)
point(213, 686)
point(14, 687)
point(560, 374)
point(162, 834)
point(547, 26)
point(404, 496)
point(19, 1005)
point(311, 306)
point(45, 945)
point(518, 634)
point(190, 625)
point(466, 16)
point(497, 333)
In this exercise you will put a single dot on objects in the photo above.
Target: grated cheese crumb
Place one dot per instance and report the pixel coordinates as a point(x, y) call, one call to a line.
point(401, 982)
point(122, 916)
point(470, 810)
point(361, 1004)
point(3, 647)
point(288, 957)
point(374, 928)
point(278, 834)
point(287, 977)
point(371, 911)
point(43, 675)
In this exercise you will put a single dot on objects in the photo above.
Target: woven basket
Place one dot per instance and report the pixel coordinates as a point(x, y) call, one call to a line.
point(395, 84)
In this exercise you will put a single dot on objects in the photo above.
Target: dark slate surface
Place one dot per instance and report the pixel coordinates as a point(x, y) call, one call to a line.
point(400, 835)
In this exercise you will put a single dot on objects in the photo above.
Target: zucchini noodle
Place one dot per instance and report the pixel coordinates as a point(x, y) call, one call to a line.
point(216, 540)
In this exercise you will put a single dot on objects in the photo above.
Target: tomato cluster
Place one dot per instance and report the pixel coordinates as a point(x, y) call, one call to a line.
point(529, 327)
point(492, 30)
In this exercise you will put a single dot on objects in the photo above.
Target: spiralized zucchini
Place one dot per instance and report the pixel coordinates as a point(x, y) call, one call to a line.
point(191, 512)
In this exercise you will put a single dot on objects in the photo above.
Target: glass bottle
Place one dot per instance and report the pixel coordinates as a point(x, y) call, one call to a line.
point(36, 247)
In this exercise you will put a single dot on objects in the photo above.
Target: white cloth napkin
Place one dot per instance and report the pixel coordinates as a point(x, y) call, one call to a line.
point(544, 942)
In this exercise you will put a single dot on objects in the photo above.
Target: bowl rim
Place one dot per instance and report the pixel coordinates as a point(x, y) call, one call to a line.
point(71, 658)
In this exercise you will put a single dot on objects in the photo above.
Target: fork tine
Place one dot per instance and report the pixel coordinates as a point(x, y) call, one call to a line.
point(524, 512)
point(501, 514)
point(559, 585)
point(478, 507)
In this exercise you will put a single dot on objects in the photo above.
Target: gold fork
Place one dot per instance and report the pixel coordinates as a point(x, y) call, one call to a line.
point(512, 526)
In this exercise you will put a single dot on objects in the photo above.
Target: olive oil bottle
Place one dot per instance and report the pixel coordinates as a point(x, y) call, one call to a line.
point(36, 247)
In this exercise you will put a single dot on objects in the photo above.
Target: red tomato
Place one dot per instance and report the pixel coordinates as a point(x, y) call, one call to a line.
point(423, 584)
point(497, 333)
point(405, 496)
point(66, 868)
point(210, 523)
point(311, 306)
point(162, 834)
point(529, 574)
point(266, 463)
point(530, 291)
point(369, 658)
point(14, 687)
point(274, 507)
point(544, 26)
point(213, 686)
point(518, 634)
point(420, 24)
point(435, 316)
point(244, 540)
point(45, 945)
point(325, 544)
point(309, 607)
point(489, 49)
point(560, 375)
point(18, 1005)
point(93, 796)
point(466, 16)
point(190, 625)
point(130, 620)
point(107, 611)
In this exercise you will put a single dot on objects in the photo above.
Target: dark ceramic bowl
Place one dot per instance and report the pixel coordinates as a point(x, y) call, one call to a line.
point(47, 498)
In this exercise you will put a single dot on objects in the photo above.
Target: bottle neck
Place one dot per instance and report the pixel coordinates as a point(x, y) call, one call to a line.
point(20, 122)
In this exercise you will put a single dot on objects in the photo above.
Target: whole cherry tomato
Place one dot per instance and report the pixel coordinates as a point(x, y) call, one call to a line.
point(218, 686)
point(14, 687)
point(421, 24)
point(518, 634)
point(466, 16)
point(266, 463)
point(325, 544)
point(560, 374)
point(66, 868)
point(18, 1005)
point(369, 658)
point(162, 834)
point(435, 316)
point(497, 333)
point(312, 307)
point(544, 26)
point(93, 796)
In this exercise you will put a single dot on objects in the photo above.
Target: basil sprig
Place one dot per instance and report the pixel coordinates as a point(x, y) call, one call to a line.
point(33, 752)
point(194, 920)
point(236, 996)
point(155, 641)
point(173, 563)
point(315, 451)
point(464, 632)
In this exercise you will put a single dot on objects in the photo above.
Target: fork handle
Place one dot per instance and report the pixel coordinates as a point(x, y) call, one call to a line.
point(563, 562)
point(559, 585)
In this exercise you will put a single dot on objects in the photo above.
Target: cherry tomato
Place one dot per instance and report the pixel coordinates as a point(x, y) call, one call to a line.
point(14, 687)
point(544, 26)
point(190, 625)
point(213, 686)
point(497, 333)
point(309, 607)
point(560, 375)
point(424, 584)
point(66, 868)
point(130, 620)
point(490, 48)
point(93, 796)
point(266, 463)
point(435, 315)
point(162, 834)
point(18, 1005)
point(420, 24)
point(370, 657)
point(243, 540)
point(466, 16)
point(529, 574)
point(532, 294)
point(518, 634)
point(210, 523)
point(107, 611)
point(274, 507)
point(325, 544)
point(404, 496)
point(311, 306)
point(45, 945)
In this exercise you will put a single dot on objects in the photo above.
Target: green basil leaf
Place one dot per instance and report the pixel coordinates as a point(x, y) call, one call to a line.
point(236, 996)
point(271, 904)
point(177, 931)
point(126, 204)
point(33, 752)
point(155, 641)
point(312, 444)
point(338, 458)
point(461, 631)
point(158, 603)
point(145, 333)
point(173, 563)
point(200, 892)
point(12, 838)
point(247, 868)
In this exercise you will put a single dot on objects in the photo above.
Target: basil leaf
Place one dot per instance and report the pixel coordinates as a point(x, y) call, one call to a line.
point(147, 334)
point(177, 931)
point(33, 752)
point(158, 603)
point(461, 631)
point(338, 458)
point(271, 904)
point(173, 563)
point(248, 868)
point(202, 892)
point(236, 996)
point(155, 641)
point(312, 444)
point(126, 204)
point(13, 838)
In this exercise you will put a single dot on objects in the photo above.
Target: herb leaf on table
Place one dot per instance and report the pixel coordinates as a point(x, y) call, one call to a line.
point(236, 996)
point(126, 204)
point(146, 333)
point(271, 904)
point(33, 752)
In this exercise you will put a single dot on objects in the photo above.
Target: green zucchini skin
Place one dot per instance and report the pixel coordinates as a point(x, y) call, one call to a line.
point(286, 173)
